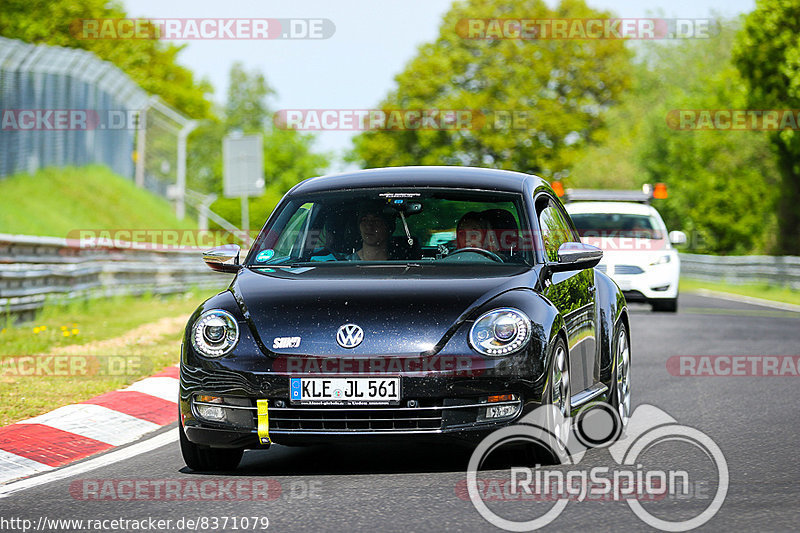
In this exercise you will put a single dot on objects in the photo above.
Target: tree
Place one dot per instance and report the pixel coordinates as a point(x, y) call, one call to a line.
point(151, 63)
point(767, 54)
point(556, 88)
point(720, 182)
point(247, 109)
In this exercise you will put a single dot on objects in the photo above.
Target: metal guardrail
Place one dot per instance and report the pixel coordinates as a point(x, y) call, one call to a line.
point(35, 269)
point(741, 269)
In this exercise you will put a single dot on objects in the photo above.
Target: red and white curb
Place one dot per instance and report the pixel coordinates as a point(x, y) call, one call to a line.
point(75, 431)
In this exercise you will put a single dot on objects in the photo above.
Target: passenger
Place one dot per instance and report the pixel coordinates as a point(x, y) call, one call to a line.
point(376, 229)
point(503, 234)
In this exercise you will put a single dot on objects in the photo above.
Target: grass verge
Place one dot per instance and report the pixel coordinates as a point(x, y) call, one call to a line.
point(56, 201)
point(764, 291)
point(87, 348)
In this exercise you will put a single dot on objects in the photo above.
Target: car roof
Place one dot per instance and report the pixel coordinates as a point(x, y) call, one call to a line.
point(424, 176)
point(628, 208)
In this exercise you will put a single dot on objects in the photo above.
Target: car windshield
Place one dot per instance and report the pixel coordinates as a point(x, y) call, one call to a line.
point(441, 226)
point(610, 225)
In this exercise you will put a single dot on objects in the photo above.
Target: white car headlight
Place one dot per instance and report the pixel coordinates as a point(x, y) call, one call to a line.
point(662, 260)
point(500, 332)
point(215, 333)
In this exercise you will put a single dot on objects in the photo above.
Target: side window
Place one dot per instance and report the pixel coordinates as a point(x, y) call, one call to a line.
point(294, 228)
point(555, 229)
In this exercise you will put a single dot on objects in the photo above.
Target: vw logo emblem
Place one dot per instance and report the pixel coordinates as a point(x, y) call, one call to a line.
point(349, 336)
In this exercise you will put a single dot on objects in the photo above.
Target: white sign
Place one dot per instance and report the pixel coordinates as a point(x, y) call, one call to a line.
point(243, 165)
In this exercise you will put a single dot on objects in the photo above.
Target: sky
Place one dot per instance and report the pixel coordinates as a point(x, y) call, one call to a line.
point(372, 42)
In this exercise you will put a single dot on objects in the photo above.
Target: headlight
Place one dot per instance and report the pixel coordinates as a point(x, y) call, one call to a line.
point(662, 260)
point(500, 332)
point(215, 333)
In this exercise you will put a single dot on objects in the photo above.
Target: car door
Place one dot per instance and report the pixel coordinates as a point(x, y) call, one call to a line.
point(572, 293)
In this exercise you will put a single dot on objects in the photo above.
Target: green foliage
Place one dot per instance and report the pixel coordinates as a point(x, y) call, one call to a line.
point(767, 54)
point(150, 63)
point(53, 202)
point(204, 156)
point(560, 87)
point(720, 182)
point(95, 321)
point(247, 109)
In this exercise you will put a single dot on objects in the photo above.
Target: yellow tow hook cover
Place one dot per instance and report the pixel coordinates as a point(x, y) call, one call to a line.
point(263, 421)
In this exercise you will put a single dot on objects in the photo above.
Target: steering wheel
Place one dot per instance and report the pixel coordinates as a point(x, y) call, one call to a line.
point(491, 255)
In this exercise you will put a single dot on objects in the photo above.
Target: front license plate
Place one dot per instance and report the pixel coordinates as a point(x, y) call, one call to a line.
point(345, 391)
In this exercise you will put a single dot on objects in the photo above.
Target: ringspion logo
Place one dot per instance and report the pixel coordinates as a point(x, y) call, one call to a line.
point(626, 479)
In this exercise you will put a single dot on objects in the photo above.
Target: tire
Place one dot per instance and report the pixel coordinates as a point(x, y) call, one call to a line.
point(205, 459)
point(665, 305)
point(558, 393)
point(621, 382)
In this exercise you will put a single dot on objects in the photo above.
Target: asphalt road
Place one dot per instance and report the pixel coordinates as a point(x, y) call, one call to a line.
point(754, 421)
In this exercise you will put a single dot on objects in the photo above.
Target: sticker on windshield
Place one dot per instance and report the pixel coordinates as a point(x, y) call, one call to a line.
point(265, 255)
point(399, 194)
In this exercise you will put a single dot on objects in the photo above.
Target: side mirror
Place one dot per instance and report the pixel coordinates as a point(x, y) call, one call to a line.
point(677, 237)
point(223, 258)
point(576, 256)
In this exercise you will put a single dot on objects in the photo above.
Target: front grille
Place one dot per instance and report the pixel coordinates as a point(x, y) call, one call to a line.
point(354, 419)
point(451, 414)
point(627, 269)
point(219, 381)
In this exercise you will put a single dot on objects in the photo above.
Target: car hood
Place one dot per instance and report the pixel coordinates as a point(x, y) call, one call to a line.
point(402, 312)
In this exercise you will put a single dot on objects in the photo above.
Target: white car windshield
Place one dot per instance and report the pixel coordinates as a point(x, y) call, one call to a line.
point(610, 225)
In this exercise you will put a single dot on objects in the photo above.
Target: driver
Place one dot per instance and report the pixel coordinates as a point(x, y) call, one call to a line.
point(471, 231)
point(376, 229)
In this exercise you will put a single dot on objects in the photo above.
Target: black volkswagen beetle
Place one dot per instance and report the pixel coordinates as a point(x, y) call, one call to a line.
point(401, 302)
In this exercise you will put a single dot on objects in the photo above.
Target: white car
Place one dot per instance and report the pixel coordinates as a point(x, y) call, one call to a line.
point(638, 253)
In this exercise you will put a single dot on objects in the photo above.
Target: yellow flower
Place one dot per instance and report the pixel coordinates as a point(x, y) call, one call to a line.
point(75, 331)
point(63, 328)
point(36, 330)
point(74, 325)
point(3, 330)
point(66, 333)
point(42, 328)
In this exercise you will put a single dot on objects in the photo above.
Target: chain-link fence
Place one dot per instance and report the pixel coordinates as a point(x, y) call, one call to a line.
point(63, 106)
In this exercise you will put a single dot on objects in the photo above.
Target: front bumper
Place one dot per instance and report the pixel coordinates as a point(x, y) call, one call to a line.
point(430, 408)
point(645, 282)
